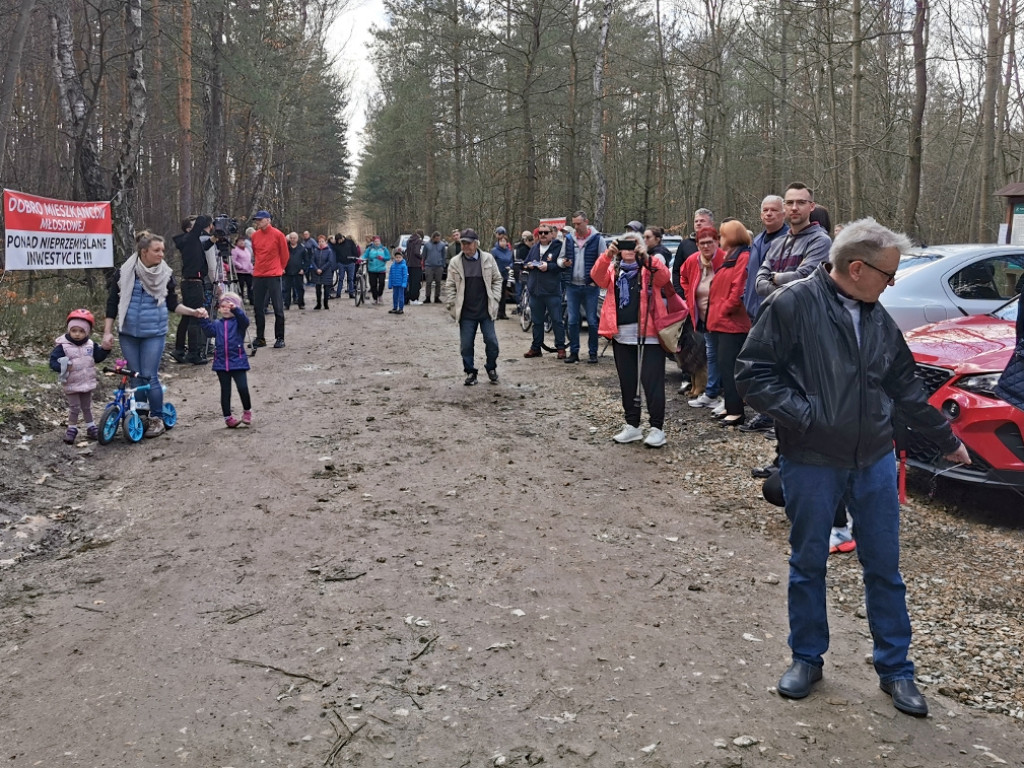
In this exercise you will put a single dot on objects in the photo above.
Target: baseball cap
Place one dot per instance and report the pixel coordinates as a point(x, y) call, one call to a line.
point(635, 226)
point(468, 235)
point(261, 215)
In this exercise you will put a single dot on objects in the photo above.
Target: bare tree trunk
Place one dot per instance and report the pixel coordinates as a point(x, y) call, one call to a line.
point(75, 107)
point(1002, 119)
point(855, 121)
point(17, 45)
point(912, 196)
point(596, 137)
point(214, 102)
point(572, 202)
point(126, 172)
point(988, 120)
point(185, 112)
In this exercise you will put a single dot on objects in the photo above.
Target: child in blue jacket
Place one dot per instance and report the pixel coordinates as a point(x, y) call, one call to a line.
point(229, 359)
point(398, 280)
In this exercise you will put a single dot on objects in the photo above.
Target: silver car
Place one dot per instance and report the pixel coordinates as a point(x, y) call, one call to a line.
point(945, 281)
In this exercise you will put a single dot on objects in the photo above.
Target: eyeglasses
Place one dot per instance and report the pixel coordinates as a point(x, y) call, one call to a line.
point(890, 277)
point(796, 203)
point(543, 231)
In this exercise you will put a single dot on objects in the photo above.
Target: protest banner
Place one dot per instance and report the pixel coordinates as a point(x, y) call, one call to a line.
point(42, 233)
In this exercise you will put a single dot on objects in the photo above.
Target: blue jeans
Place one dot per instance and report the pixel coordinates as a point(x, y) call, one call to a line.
point(143, 355)
point(552, 305)
point(714, 386)
point(812, 493)
point(467, 337)
point(586, 296)
point(346, 271)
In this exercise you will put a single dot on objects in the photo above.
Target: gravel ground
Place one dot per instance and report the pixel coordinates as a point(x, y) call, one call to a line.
point(425, 573)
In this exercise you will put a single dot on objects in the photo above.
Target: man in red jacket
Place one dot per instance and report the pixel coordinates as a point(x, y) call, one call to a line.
point(270, 257)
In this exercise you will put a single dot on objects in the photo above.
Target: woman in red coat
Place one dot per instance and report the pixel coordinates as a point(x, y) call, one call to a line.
point(728, 320)
point(630, 317)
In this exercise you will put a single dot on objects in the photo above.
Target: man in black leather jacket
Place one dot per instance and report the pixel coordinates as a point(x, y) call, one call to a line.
point(828, 363)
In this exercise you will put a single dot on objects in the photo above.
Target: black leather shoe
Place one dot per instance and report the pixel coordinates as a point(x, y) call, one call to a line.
point(573, 358)
point(905, 697)
point(760, 423)
point(178, 355)
point(797, 681)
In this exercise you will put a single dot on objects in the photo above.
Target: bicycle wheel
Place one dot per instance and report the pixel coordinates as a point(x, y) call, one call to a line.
point(361, 289)
point(108, 423)
point(170, 415)
point(132, 427)
point(525, 316)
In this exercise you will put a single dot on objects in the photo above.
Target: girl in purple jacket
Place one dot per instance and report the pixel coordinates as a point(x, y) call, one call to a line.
point(229, 359)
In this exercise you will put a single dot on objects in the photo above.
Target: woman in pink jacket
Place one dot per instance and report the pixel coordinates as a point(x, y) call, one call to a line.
point(630, 317)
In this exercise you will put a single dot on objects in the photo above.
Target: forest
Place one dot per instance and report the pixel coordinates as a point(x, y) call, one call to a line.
point(502, 111)
point(493, 112)
point(173, 107)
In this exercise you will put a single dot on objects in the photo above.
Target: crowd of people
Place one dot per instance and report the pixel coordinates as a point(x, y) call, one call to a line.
point(786, 323)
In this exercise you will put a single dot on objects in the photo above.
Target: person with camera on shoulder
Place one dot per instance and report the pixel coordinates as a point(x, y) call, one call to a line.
point(630, 316)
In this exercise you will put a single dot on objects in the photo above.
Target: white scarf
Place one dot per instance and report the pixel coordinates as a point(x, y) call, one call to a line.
point(154, 282)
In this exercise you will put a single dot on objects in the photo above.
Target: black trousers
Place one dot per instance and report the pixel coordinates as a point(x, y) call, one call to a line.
point(729, 345)
point(412, 291)
point(377, 284)
point(263, 288)
point(652, 379)
point(241, 382)
point(192, 295)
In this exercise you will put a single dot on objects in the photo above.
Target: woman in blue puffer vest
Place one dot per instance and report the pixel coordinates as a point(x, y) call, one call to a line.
point(140, 297)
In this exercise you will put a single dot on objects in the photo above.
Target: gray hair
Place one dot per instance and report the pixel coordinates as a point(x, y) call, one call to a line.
point(773, 199)
point(641, 246)
point(864, 240)
point(704, 212)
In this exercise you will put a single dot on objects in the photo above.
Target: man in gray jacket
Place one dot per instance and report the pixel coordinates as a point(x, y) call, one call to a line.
point(472, 293)
point(435, 256)
point(797, 254)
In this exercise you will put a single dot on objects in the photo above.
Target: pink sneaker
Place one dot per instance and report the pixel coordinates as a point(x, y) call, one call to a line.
point(232, 422)
point(247, 418)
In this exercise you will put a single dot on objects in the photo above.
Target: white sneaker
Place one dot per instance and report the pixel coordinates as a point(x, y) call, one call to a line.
point(719, 409)
point(416, 303)
point(655, 438)
point(841, 540)
point(703, 401)
point(629, 434)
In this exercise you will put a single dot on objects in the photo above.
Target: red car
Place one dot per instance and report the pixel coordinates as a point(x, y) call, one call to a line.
point(960, 362)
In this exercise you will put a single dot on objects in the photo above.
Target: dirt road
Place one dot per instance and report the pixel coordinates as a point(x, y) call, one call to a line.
point(389, 568)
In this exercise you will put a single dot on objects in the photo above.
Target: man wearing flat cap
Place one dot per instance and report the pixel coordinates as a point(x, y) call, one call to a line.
point(270, 257)
point(471, 294)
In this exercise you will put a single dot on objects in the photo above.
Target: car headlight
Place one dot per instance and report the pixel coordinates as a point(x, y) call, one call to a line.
point(984, 384)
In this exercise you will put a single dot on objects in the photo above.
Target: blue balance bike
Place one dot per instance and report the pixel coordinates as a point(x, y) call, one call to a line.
point(130, 408)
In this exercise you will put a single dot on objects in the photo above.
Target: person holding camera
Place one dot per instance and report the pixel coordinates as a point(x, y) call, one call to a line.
point(193, 244)
point(544, 280)
point(630, 317)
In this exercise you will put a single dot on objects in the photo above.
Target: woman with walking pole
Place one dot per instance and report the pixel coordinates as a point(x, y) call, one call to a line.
point(630, 317)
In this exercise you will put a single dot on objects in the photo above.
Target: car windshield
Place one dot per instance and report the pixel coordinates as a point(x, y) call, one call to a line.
point(1008, 311)
point(917, 258)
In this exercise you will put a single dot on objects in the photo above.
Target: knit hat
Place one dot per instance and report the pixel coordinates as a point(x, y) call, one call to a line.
point(76, 323)
point(233, 297)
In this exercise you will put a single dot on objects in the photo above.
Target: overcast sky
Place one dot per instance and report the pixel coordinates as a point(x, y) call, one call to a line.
point(351, 37)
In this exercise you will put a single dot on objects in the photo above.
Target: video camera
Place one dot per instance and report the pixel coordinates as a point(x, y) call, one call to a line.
point(224, 225)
